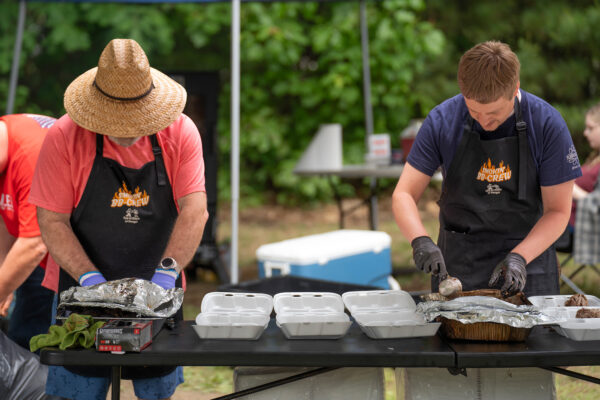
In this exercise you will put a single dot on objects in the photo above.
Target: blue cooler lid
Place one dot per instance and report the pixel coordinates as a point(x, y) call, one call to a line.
point(323, 247)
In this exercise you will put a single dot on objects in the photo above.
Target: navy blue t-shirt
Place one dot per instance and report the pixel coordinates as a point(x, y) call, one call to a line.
point(549, 138)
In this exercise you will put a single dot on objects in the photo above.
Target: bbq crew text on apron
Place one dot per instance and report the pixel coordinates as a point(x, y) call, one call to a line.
point(123, 222)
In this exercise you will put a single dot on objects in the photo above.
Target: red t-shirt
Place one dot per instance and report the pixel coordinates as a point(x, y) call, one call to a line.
point(67, 155)
point(26, 133)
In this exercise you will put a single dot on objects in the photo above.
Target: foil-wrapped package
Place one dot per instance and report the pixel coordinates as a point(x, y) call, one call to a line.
point(471, 309)
point(130, 297)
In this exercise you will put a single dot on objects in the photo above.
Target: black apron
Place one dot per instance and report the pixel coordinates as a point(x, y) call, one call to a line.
point(490, 201)
point(123, 222)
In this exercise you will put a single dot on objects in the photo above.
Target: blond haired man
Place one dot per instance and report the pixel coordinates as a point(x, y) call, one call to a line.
point(508, 164)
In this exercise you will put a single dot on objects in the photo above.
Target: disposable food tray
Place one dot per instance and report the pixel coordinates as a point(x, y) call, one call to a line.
point(566, 313)
point(385, 314)
point(227, 315)
point(580, 329)
point(486, 331)
point(311, 315)
point(559, 301)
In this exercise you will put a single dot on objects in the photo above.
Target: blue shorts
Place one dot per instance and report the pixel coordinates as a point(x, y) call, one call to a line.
point(67, 384)
point(64, 383)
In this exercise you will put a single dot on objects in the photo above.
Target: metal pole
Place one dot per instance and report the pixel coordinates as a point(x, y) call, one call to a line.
point(364, 42)
point(14, 72)
point(235, 134)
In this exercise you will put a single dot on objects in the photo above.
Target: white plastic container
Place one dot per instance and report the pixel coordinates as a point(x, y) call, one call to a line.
point(580, 329)
point(559, 301)
point(311, 315)
point(225, 315)
point(385, 314)
point(565, 313)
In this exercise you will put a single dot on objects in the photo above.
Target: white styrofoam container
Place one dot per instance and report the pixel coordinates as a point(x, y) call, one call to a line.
point(231, 302)
point(311, 315)
point(559, 301)
point(378, 300)
point(225, 315)
point(314, 326)
point(230, 326)
point(565, 313)
point(385, 314)
point(580, 329)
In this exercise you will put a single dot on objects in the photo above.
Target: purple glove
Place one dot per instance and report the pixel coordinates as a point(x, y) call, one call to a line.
point(91, 278)
point(165, 277)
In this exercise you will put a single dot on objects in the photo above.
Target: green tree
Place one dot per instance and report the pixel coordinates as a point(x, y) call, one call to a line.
point(301, 67)
point(556, 42)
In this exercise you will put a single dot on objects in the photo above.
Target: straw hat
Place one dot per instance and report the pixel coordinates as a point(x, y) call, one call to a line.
point(124, 96)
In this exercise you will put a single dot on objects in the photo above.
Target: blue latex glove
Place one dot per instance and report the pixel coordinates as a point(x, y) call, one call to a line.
point(165, 277)
point(91, 278)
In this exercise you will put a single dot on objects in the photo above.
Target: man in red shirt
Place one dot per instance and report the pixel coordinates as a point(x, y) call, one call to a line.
point(22, 252)
point(120, 191)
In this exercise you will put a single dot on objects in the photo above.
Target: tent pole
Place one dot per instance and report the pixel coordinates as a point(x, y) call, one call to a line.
point(235, 135)
point(364, 42)
point(14, 72)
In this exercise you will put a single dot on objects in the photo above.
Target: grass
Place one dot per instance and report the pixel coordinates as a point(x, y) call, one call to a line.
point(268, 224)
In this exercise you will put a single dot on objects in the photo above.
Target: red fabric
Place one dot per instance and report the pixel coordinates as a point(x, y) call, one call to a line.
point(26, 133)
point(67, 155)
point(587, 181)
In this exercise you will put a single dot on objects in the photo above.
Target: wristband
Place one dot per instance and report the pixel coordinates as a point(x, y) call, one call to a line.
point(91, 278)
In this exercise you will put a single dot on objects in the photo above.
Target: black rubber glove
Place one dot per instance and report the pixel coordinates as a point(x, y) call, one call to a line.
point(428, 257)
point(512, 268)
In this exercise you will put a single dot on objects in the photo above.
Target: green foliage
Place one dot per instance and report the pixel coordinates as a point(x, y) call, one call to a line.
point(301, 67)
point(556, 43)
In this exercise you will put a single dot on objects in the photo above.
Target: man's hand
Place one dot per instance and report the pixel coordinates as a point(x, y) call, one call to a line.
point(5, 305)
point(428, 257)
point(165, 277)
point(91, 278)
point(512, 268)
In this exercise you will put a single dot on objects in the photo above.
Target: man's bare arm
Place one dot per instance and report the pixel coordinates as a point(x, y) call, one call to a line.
point(410, 188)
point(557, 210)
point(63, 245)
point(188, 228)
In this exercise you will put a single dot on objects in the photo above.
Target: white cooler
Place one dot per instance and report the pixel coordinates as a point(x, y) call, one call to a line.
point(351, 256)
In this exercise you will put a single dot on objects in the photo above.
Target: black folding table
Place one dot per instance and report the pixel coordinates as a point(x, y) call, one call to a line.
point(181, 346)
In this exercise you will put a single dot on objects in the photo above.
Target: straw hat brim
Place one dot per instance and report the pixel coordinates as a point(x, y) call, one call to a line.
point(94, 111)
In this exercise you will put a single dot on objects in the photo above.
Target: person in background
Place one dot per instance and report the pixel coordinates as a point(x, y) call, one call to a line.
point(23, 254)
point(590, 169)
point(508, 164)
point(120, 192)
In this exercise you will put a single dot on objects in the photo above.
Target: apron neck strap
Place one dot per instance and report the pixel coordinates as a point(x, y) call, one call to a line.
point(521, 127)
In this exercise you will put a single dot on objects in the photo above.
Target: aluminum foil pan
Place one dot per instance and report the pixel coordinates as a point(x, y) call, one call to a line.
point(471, 309)
point(133, 296)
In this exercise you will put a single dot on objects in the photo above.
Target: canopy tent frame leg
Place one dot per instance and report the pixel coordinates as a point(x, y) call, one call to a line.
point(14, 72)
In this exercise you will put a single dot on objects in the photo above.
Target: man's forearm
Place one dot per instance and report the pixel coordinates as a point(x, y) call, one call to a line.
point(543, 234)
point(20, 261)
point(188, 229)
point(62, 243)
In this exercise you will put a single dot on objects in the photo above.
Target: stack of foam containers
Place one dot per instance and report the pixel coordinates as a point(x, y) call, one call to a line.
point(311, 315)
point(385, 314)
point(579, 329)
point(225, 315)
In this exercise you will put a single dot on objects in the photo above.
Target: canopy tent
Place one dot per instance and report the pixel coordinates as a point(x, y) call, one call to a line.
point(235, 93)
